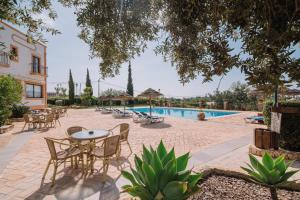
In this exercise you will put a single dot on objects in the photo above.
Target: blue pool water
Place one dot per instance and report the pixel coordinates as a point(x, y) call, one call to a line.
point(185, 113)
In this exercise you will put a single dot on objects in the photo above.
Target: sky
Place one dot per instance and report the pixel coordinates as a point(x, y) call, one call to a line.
point(66, 51)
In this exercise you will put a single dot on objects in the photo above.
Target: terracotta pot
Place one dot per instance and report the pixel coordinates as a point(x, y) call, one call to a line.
point(201, 116)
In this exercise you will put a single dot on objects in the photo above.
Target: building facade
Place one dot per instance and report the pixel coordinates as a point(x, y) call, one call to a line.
point(25, 61)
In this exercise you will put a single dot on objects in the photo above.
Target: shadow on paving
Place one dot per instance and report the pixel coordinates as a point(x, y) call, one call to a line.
point(160, 125)
point(70, 187)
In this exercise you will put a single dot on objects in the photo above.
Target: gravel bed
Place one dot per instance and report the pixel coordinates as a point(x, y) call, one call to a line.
point(222, 187)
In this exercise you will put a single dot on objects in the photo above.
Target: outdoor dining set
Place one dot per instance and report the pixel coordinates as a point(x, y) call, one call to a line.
point(45, 118)
point(82, 148)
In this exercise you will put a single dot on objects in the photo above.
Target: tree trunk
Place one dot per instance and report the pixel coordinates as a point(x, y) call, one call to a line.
point(273, 193)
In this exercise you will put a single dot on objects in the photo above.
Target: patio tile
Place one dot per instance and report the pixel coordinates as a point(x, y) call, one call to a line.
point(28, 158)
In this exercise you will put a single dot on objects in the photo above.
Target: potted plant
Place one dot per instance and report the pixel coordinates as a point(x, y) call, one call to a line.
point(201, 116)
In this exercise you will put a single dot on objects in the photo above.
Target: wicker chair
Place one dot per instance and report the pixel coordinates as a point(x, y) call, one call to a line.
point(124, 132)
point(106, 151)
point(59, 157)
point(48, 120)
point(28, 121)
point(82, 145)
point(56, 118)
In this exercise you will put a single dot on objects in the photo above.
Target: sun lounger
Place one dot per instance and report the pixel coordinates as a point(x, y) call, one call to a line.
point(254, 119)
point(121, 114)
point(138, 117)
point(106, 111)
point(152, 119)
point(98, 108)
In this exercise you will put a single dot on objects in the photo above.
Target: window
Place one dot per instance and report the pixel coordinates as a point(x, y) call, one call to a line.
point(33, 91)
point(14, 54)
point(36, 68)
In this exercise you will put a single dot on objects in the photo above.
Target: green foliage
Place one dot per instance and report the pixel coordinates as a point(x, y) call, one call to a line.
point(53, 100)
point(71, 89)
point(196, 36)
point(267, 112)
point(86, 97)
point(111, 92)
point(31, 15)
point(88, 82)
point(270, 171)
point(19, 110)
point(238, 97)
point(129, 83)
point(10, 94)
point(160, 175)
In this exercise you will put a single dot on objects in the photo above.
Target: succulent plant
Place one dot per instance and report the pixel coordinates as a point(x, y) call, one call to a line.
point(160, 175)
point(272, 172)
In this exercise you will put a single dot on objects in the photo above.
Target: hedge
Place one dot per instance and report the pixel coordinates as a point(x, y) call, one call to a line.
point(19, 110)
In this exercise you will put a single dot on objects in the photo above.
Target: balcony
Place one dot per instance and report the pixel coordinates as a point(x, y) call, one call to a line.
point(4, 59)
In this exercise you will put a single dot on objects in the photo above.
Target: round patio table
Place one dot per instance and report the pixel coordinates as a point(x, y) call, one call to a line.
point(90, 134)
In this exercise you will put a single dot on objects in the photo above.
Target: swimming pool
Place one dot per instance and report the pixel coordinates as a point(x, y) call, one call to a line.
point(184, 113)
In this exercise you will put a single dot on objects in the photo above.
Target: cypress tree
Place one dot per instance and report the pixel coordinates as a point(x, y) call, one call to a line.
point(88, 80)
point(71, 88)
point(129, 83)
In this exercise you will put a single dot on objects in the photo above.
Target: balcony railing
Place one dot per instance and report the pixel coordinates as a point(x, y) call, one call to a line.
point(4, 58)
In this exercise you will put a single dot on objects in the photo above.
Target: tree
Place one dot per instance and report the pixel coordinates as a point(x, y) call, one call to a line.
point(71, 88)
point(88, 80)
point(129, 83)
point(111, 92)
point(86, 97)
point(29, 15)
point(196, 36)
point(57, 89)
point(63, 91)
point(10, 94)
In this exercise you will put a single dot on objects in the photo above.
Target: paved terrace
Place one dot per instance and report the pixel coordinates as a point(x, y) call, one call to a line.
point(24, 155)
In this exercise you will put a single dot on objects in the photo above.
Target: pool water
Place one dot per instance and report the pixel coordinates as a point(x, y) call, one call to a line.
point(182, 112)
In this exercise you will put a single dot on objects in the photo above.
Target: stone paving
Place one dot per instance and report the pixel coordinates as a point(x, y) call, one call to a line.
point(21, 176)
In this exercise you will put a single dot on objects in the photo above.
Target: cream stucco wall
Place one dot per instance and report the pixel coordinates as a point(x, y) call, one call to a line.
point(22, 69)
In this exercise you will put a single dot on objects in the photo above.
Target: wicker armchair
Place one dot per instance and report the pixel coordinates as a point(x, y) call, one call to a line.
point(123, 132)
point(28, 121)
point(59, 157)
point(47, 120)
point(82, 145)
point(106, 151)
point(56, 118)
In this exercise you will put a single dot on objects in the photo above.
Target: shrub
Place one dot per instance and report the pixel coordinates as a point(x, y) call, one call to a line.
point(10, 94)
point(19, 110)
point(86, 97)
point(160, 175)
point(267, 112)
point(290, 132)
point(60, 101)
point(270, 172)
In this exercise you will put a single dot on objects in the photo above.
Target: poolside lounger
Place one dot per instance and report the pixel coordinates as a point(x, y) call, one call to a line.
point(98, 108)
point(254, 119)
point(106, 111)
point(153, 119)
point(138, 117)
point(121, 114)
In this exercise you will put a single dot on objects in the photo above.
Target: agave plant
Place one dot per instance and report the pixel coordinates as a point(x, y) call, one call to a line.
point(272, 172)
point(160, 175)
